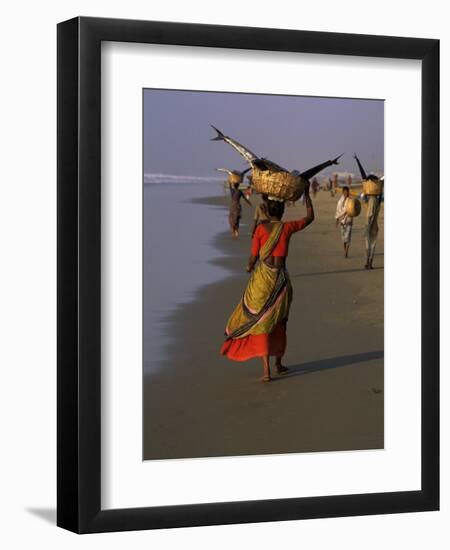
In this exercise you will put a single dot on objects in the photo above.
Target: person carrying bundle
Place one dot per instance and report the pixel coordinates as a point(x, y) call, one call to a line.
point(373, 209)
point(235, 179)
point(372, 189)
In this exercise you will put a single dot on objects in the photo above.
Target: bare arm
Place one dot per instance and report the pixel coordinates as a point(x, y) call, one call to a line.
point(251, 263)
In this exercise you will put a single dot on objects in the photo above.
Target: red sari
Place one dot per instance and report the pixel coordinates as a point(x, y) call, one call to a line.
point(259, 330)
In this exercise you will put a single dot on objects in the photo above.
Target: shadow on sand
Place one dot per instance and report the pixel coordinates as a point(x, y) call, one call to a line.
point(331, 363)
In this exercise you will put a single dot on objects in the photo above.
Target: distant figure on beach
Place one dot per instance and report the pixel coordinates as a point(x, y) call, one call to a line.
point(371, 229)
point(235, 179)
point(257, 327)
point(234, 216)
point(314, 187)
point(373, 203)
point(261, 213)
point(344, 220)
point(330, 187)
point(335, 182)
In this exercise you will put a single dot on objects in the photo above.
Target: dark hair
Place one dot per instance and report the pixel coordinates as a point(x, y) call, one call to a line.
point(372, 177)
point(276, 209)
point(346, 188)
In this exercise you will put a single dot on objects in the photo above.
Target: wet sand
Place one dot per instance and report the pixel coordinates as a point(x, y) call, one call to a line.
point(200, 404)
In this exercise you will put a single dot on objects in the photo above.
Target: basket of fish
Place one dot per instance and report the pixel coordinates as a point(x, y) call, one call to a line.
point(352, 207)
point(282, 185)
point(270, 178)
point(234, 178)
point(372, 187)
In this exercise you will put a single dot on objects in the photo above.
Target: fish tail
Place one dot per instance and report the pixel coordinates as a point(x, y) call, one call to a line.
point(246, 153)
point(219, 137)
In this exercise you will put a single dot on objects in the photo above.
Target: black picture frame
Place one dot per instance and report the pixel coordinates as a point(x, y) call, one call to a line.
point(79, 280)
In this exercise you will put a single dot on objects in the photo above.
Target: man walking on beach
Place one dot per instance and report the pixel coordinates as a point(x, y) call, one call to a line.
point(371, 230)
point(345, 221)
point(373, 203)
point(330, 187)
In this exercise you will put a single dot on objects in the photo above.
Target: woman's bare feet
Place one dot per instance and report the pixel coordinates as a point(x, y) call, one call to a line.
point(281, 369)
point(266, 369)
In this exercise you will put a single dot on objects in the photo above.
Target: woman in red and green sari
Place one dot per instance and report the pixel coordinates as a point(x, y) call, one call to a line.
point(257, 327)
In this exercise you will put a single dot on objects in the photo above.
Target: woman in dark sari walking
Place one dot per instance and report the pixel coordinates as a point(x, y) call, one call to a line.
point(235, 179)
point(235, 214)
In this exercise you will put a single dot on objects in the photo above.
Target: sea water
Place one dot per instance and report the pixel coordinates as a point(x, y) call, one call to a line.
point(177, 255)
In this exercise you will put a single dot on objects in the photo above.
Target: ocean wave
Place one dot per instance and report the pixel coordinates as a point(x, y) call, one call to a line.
point(172, 178)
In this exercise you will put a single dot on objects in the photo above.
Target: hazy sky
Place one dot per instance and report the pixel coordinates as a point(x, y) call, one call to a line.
point(296, 132)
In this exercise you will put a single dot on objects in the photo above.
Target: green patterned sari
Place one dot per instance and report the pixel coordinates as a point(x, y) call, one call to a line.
point(267, 298)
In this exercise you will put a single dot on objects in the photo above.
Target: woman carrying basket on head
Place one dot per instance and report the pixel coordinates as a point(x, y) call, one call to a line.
point(257, 327)
point(373, 203)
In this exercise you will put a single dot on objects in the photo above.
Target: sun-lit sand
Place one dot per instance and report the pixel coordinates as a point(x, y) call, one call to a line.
point(201, 404)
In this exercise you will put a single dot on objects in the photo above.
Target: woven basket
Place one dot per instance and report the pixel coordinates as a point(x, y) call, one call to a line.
point(282, 185)
point(372, 187)
point(233, 179)
point(352, 207)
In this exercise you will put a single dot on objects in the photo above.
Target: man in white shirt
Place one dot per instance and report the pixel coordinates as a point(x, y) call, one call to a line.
point(345, 221)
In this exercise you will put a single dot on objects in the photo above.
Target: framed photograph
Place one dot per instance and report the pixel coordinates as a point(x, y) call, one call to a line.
point(248, 275)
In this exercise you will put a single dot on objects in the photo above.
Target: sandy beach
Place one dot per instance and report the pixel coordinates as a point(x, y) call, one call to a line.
point(200, 404)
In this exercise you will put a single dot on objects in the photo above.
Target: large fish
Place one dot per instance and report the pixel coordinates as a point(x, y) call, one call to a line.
point(266, 164)
point(251, 158)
